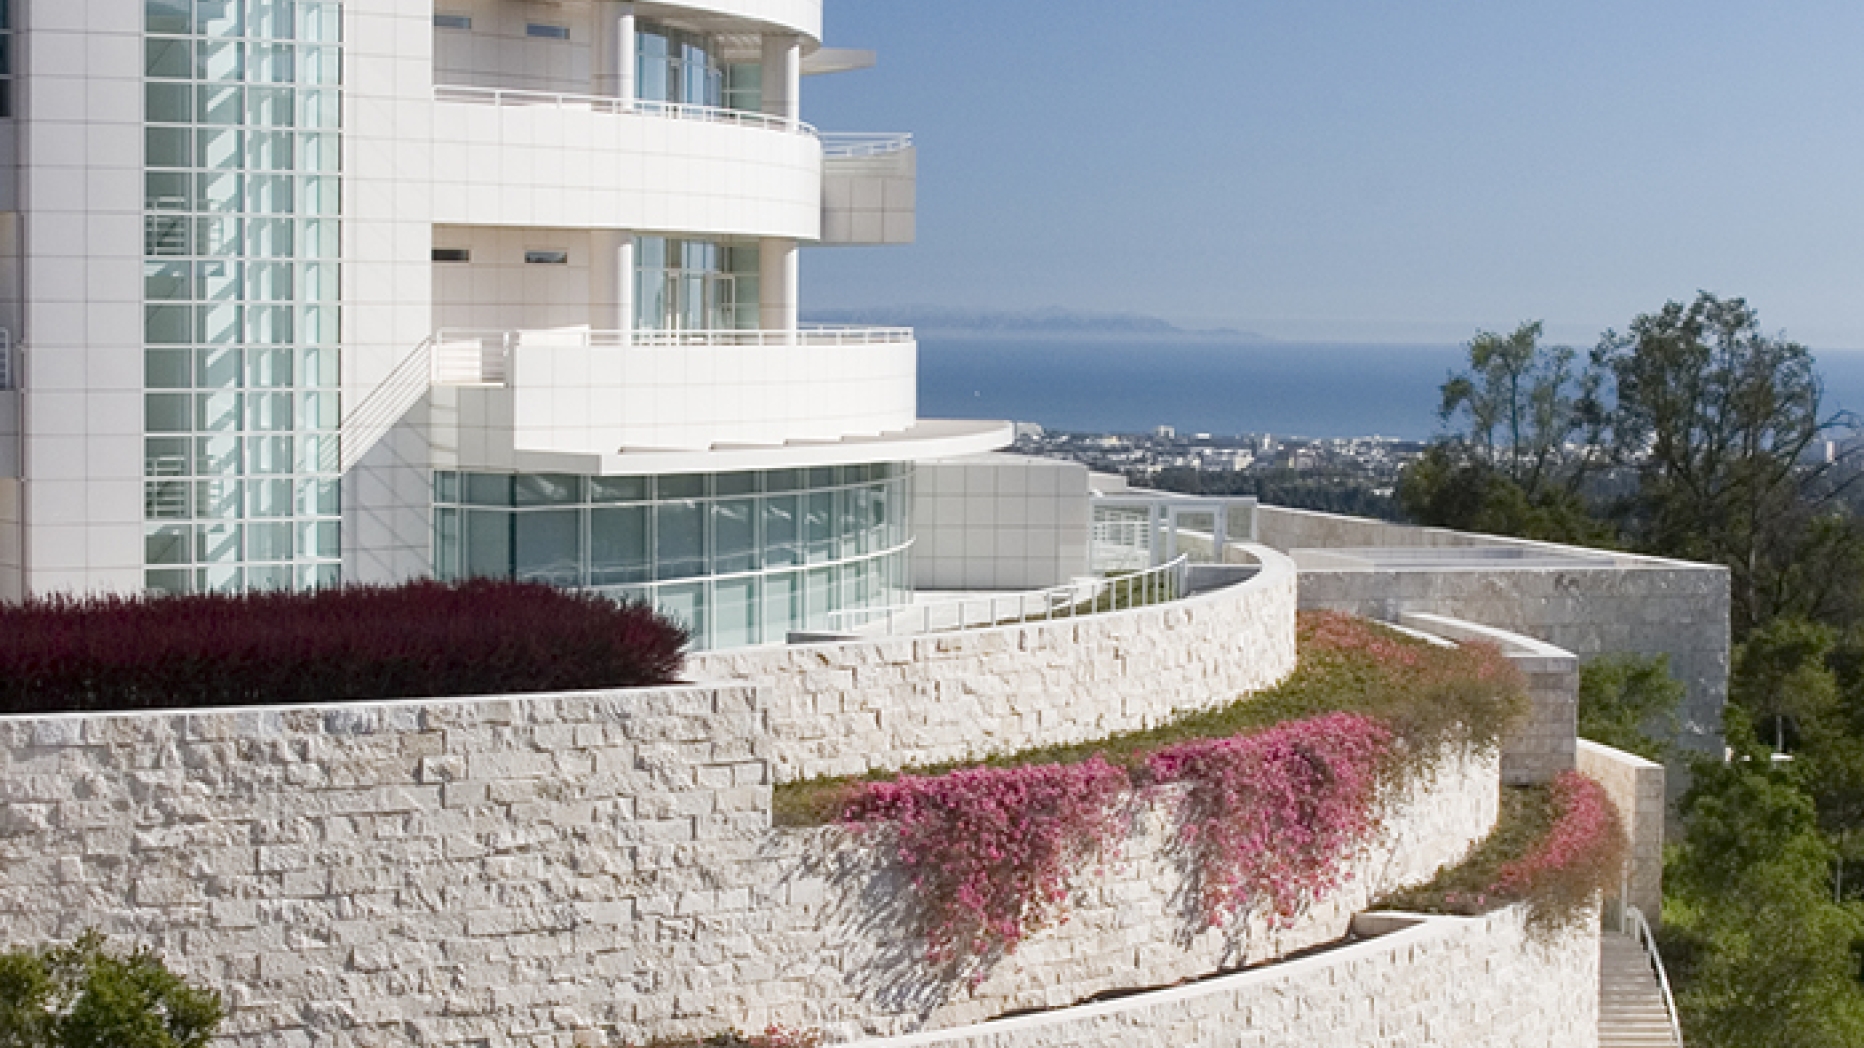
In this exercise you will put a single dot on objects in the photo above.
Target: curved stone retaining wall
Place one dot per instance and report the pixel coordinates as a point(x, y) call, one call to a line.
point(1434, 980)
point(856, 706)
point(594, 869)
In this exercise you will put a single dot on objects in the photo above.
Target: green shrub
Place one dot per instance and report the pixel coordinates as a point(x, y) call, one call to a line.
point(87, 996)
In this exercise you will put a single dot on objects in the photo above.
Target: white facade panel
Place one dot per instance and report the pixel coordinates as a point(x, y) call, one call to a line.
point(387, 274)
point(79, 193)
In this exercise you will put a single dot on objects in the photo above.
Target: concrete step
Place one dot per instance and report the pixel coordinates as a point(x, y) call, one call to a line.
point(1631, 1012)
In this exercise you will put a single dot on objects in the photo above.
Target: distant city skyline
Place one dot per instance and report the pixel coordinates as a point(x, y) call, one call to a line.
point(1360, 171)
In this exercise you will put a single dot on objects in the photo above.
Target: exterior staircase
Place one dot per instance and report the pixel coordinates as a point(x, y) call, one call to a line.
point(1632, 1010)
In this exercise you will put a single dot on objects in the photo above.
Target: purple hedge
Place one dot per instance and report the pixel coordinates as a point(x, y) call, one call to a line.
point(420, 640)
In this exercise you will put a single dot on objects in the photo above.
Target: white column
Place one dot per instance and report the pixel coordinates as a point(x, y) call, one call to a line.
point(611, 280)
point(777, 284)
point(783, 75)
point(614, 50)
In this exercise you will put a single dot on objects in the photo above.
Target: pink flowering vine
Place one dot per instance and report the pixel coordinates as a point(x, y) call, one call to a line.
point(1582, 853)
point(992, 850)
point(1275, 816)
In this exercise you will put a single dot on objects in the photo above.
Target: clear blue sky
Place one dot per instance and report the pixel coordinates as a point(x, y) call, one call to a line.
point(1377, 170)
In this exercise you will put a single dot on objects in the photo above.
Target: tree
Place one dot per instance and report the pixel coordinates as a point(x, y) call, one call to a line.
point(1630, 703)
point(1718, 419)
point(1525, 423)
point(87, 996)
point(1766, 950)
point(1524, 403)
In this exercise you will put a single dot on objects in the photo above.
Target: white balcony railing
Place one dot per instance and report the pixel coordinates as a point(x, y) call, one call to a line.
point(1087, 596)
point(469, 357)
point(502, 97)
point(848, 145)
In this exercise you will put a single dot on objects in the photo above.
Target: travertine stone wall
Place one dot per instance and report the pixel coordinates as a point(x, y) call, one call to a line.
point(856, 706)
point(1636, 787)
point(1451, 981)
point(1632, 605)
point(1541, 746)
point(579, 869)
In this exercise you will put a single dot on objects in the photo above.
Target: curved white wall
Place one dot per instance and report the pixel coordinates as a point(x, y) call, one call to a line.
point(798, 16)
point(577, 168)
point(569, 397)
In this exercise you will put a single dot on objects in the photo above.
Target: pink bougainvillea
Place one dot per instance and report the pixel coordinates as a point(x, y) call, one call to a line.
point(1582, 853)
point(991, 850)
point(1275, 816)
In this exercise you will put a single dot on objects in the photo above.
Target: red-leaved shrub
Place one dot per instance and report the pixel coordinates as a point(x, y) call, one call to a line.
point(1581, 855)
point(991, 850)
point(418, 640)
point(1273, 817)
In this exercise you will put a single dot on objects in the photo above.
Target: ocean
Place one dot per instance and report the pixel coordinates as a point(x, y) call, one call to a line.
point(1302, 389)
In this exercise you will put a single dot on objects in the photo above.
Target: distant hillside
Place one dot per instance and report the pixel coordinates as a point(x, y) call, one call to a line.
point(1050, 323)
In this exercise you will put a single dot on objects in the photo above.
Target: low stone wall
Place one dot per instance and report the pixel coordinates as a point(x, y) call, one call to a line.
point(1540, 747)
point(1622, 604)
point(856, 706)
point(1424, 980)
point(1636, 787)
point(588, 869)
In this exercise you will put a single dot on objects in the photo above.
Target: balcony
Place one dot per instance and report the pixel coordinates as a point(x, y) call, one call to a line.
point(869, 184)
point(529, 158)
point(508, 397)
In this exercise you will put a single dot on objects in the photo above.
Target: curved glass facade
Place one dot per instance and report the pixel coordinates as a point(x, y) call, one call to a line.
point(742, 558)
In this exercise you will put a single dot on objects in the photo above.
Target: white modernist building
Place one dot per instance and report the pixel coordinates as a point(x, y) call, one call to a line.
point(299, 292)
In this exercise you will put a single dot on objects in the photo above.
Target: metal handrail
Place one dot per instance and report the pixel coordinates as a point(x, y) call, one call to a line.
point(1631, 922)
point(1153, 586)
point(503, 97)
point(840, 145)
point(809, 335)
point(376, 413)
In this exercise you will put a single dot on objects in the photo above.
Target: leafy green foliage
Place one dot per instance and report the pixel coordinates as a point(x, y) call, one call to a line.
point(1766, 951)
point(1717, 419)
point(86, 996)
point(1630, 702)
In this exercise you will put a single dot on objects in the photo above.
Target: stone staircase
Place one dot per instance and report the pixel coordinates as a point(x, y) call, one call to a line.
point(1631, 1012)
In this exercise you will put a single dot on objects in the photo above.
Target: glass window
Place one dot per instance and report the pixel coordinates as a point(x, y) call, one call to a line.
point(547, 547)
point(783, 604)
point(618, 546)
point(782, 531)
point(166, 16)
point(167, 544)
point(487, 489)
point(486, 551)
point(734, 535)
point(446, 21)
point(679, 539)
point(618, 489)
point(734, 613)
point(681, 486)
point(686, 604)
point(546, 489)
point(819, 526)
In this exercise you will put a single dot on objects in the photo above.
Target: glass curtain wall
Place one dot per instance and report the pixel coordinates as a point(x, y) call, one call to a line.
point(694, 285)
point(242, 111)
point(742, 558)
point(672, 65)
